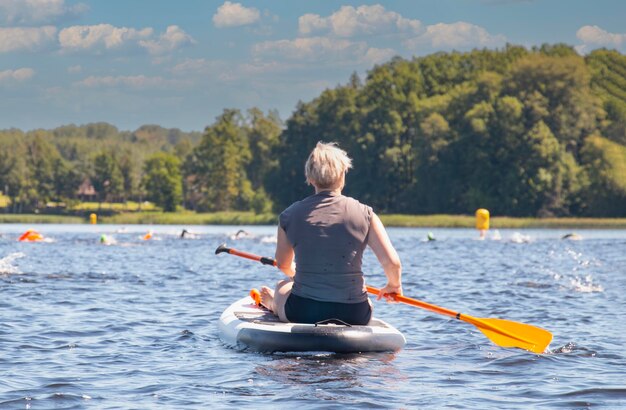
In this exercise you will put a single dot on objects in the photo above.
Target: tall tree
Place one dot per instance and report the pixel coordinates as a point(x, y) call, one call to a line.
point(217, 170)
point(263, 133)
point(162, 181)
point(605, 163)
point(41, 157)
point(107, 178)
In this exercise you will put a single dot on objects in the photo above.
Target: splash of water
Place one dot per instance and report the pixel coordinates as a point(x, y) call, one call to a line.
point(585, 285)
point(6, 264)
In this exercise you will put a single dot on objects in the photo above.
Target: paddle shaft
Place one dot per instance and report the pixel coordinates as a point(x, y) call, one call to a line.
point(418, 303)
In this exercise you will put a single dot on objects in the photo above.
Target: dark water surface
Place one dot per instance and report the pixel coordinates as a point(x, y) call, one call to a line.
point(134, 324)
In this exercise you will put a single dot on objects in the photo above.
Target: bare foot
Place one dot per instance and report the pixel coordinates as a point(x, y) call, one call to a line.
point(267, 298)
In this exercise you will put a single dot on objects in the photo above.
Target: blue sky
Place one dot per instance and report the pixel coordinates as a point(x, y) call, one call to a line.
point(180, 63)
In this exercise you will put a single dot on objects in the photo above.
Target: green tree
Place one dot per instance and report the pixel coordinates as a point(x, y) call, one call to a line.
point(41, 157)
point(388, 104)
point(17, 180)
point(286, 183)
point(107, 179)
point(127, 165)
point(556, 90)
point(217, 168)
point(67, 179)
point(605, 164)
point(162, 181)
point(263, 132)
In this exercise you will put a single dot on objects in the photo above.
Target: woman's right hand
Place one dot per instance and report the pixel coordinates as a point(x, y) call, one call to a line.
point(389, 292)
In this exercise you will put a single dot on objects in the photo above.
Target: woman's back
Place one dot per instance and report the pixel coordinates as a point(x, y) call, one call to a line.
point(328, 233)
point(325, 235)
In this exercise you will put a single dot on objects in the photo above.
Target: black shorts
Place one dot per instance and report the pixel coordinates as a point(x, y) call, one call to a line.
point(305, 310)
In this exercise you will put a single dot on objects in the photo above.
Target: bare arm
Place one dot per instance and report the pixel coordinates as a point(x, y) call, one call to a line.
point(387, 256)
point(284, 254)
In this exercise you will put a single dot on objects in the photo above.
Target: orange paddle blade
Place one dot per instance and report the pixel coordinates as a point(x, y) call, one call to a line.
point(504, 333)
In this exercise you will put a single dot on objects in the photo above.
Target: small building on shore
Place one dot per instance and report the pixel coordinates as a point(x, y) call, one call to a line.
point(86, 191)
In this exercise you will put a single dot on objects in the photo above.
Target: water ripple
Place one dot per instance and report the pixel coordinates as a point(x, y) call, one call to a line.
point(133, 325)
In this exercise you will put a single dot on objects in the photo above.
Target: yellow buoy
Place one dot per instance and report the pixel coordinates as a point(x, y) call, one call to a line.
point(93, 219)
point(482, 221)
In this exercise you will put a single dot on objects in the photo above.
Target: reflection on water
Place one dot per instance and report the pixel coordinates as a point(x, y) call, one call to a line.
point(328, 370)
point(133, 324)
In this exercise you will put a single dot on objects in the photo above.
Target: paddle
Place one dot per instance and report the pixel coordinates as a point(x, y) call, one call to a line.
point(504, 333)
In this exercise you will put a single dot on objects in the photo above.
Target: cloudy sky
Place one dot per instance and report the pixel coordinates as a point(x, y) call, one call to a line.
point(179, 63)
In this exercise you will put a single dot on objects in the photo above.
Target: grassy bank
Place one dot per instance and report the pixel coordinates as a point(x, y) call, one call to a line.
point(249, 218)
point(192, 218)
point(467, 221)
point(40, 219)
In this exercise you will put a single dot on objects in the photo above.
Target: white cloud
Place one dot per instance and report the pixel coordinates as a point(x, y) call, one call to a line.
point(262, 67)
point(506, 2)
point(596, 36)
point(137, 81)
point(74, 69)
point(309, 48)
point(310, 23)
point(173, 38)
point(349, 21)
point(26, 38)
point(100, 37)
point(37, 11)
point(199, 66)
point(234, 14)
point(105, 37)
point(319, 49)
point(459, 35)
point(378, 55)
point(21, 74)
point(202, 70)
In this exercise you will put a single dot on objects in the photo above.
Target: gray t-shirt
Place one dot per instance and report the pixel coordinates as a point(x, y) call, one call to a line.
point(328, 233)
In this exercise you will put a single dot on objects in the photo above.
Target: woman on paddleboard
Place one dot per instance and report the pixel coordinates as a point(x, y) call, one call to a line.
point(325, 235)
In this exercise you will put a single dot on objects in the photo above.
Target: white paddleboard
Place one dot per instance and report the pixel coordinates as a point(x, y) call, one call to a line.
point(245, 325)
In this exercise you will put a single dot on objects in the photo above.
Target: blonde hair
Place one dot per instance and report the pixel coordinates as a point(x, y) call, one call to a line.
point(326, 165)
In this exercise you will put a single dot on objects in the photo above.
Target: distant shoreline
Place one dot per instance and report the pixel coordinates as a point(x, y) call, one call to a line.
point(249, 218)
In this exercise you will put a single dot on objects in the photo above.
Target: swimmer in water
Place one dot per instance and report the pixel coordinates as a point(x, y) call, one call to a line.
point(240, 235)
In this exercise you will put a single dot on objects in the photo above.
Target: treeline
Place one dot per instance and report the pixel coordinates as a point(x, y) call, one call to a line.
point(95, 161)
point(538, 132)
point(522, 132)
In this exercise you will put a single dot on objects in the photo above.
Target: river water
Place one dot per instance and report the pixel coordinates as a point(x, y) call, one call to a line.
point(134, 324)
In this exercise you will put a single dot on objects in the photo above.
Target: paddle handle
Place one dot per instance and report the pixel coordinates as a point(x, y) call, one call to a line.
point(418, 303)
point(264, 260)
